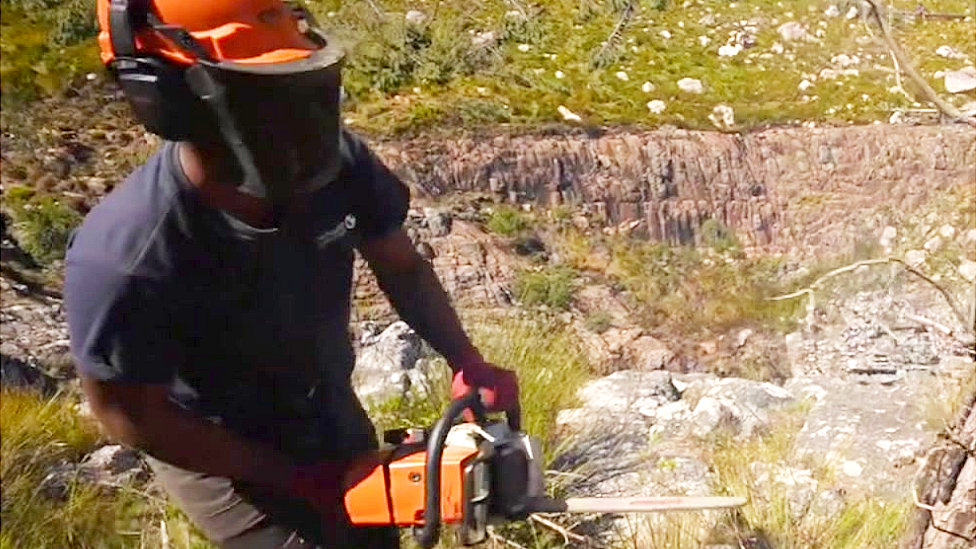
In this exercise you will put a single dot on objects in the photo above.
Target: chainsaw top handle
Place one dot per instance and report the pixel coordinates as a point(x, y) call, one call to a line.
point(428, 535)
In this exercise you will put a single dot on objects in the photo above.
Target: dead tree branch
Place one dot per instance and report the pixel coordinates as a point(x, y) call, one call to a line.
point(897, 53)
point(966, 339)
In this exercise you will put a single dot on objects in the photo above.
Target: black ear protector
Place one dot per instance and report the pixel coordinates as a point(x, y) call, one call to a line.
point(159, 95)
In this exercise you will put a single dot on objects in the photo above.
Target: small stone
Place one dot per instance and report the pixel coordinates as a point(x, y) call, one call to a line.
point(690, 85)
point(704, 40)
point(852, 13)
point(914, 258)
point(970, 237)
point(832, 11)
point(947, 231)
point(805, 85)
point(568, 114)
point(793, 31)
point(948, 52)
point(723, 117)
point(560, 75)
point(887, 235)
point(729, 51)
point(524, 47)
point(960, 81)
point(621, 75)
point(647, 87)
point(828, 74)
point(851, 468)
point(414, 17)
point(777, 48)
point(967, 269)
point(933, 244)
point(484, 39)
point(656, 106)
point(743, 337)
point(665, 34)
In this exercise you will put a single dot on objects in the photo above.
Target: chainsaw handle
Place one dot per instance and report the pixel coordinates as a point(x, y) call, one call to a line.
point(430, 532)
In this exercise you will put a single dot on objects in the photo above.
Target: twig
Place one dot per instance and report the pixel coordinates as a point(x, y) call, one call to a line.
point(957, 311)
point(931, 323)
point(896, 52)
point(567, 535)
point(163, 534)
point(496, 538)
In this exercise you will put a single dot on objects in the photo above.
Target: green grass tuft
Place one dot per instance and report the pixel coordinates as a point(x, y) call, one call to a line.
point(42, 223)
point(551, 286)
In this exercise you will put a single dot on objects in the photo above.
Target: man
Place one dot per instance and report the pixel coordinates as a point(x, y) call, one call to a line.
point(208, 296)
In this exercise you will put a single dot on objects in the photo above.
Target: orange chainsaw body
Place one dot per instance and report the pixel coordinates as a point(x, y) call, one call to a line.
point(393, 492)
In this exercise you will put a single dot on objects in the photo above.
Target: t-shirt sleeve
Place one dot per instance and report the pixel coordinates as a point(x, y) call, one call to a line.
point(120, 325)
point(382, 198)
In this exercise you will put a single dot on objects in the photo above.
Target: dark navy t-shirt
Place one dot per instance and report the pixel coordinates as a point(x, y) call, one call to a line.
point(161, 288)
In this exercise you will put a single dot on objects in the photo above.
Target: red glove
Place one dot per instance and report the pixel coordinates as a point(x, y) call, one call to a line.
point(498, 387)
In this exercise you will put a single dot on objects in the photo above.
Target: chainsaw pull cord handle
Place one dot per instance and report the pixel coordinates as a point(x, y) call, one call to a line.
point(430, 532)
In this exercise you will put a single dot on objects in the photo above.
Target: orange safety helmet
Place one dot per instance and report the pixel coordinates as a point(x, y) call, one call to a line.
point(247, 73)
point(242, 31)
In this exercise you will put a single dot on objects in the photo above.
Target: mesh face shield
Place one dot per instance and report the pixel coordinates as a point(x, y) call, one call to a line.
point(287, 118)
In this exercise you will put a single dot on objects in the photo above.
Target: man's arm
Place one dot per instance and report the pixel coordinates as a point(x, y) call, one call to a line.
point(415, 292)
point(142, 416)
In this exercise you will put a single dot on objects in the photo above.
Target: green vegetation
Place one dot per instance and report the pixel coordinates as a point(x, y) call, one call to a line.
point(507, 221)
point(552, 286)
point(46, 44)
point(518, 63)
point(543, 352)
point(856, 524)
point(599, 322)
point(42, 223)
point(37, 434)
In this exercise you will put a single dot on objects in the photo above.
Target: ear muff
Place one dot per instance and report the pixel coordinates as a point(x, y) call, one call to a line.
point(156, 90)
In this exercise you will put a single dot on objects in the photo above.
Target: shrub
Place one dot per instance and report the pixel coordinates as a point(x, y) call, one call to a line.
point(507, 221)
point(553, 287)
point(599, 322)
point(42, 223)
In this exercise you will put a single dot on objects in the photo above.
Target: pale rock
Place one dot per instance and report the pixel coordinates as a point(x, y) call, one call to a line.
point(515, 15)
point(665, 34)
point(524, 47)
point(828, 74)
point(690, 85)
point(948, 52)
point(707, 20)
point(560, 75)
point(852, 13)
point(729, 51)
point(851, 468)
point(947, 231)
point(742, 337)
point(805, 85)
point(656, 106)
point(568, 114)
point(777, 48)
point(843, 60)
point(914, 258)
point(960, 81)
point(933, 244)
point(896, 117)
point(832, 11)
point(647, 87)
point(484, 39)
point(414, 17)
point(793, 31)
point(887, 235)
point(970, 237)
point(621, 75)
point(723, 117)
point(967, 269)
point(704, 40)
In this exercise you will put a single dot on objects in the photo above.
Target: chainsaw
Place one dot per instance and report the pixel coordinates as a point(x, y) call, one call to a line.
point(472, 475)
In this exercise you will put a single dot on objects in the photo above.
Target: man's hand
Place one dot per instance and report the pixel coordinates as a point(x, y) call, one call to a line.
point(498, 387)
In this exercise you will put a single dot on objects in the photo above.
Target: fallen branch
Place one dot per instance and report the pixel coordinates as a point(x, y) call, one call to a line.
point(953, 304)
point(897, 53)
point(567, 535)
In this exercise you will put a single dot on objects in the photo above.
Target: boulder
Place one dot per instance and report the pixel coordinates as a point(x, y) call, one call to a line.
point(389, 364)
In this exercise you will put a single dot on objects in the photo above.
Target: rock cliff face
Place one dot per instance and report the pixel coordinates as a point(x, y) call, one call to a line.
point(777, 189)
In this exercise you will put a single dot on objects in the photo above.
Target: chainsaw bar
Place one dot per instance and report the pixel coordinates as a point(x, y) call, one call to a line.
point(634, 504)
